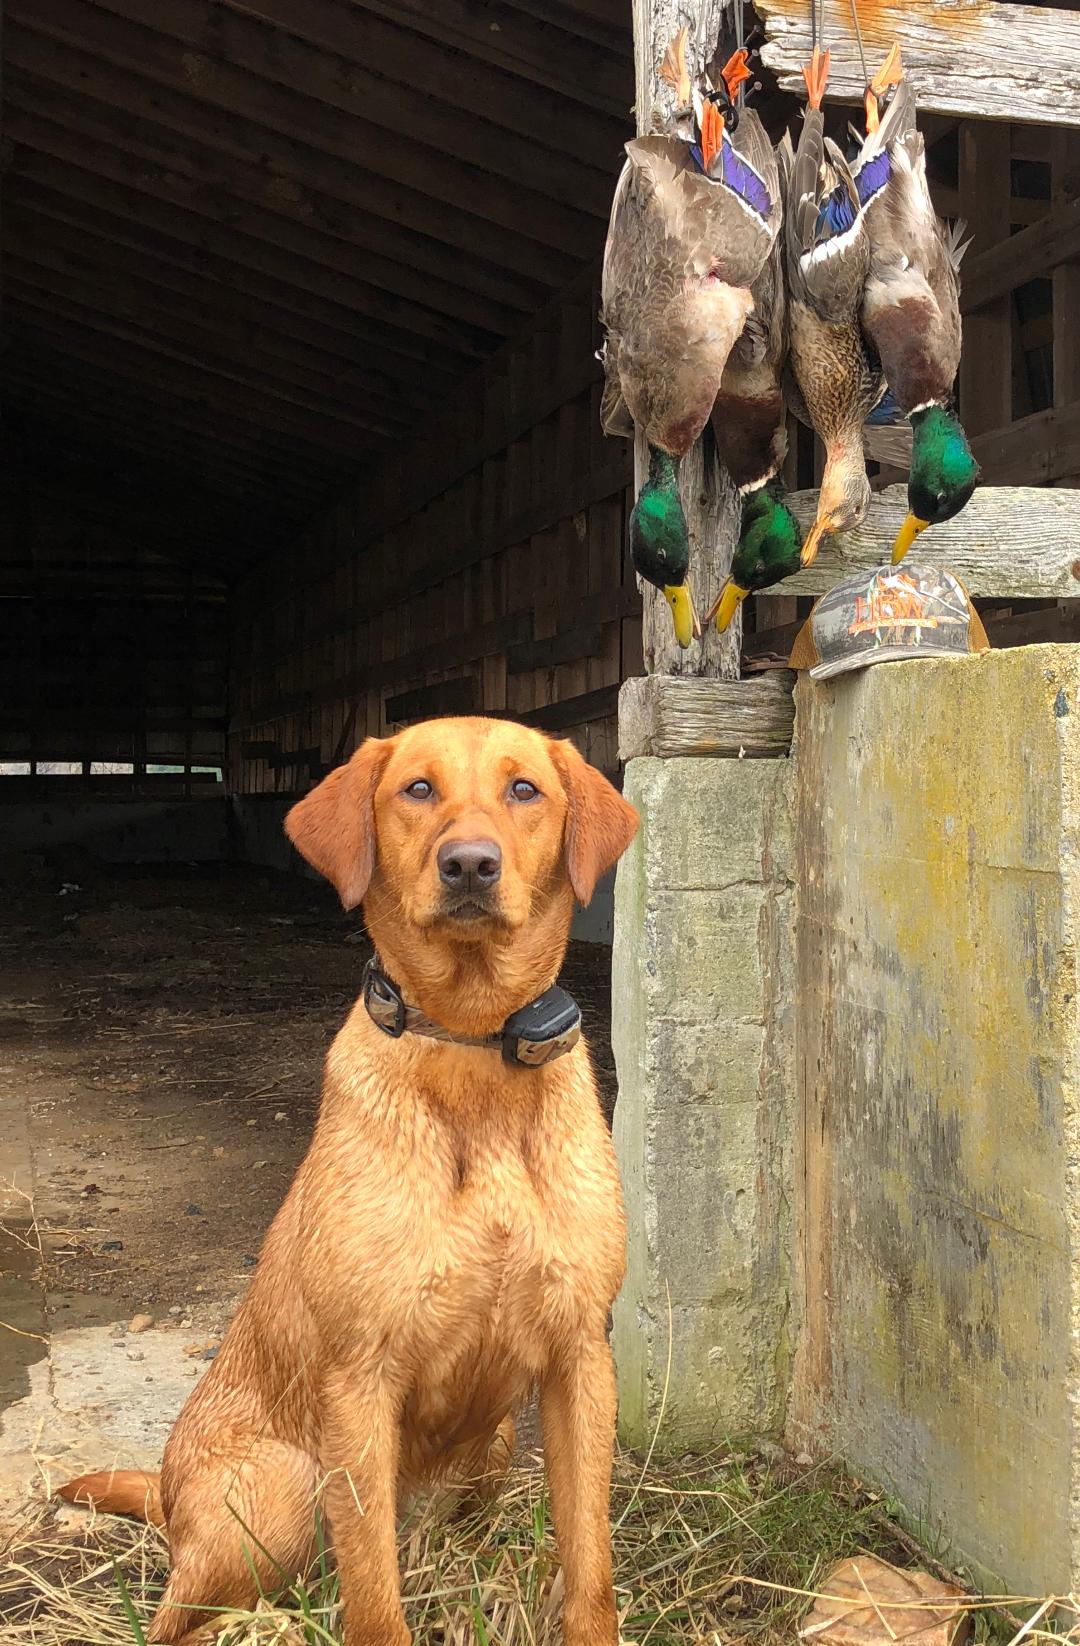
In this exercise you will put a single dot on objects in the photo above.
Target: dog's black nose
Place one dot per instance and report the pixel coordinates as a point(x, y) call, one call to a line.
point(469, 865)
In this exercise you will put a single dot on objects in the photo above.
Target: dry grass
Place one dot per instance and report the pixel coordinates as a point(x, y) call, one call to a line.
point(729, 1548)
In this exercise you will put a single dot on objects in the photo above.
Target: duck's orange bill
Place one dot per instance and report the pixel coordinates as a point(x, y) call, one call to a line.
point(906, 536)
point(813, 542)
point(726, 605)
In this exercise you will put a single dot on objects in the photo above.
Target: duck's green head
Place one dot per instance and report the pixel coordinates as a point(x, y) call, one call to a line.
point(943, 474)
point(659, 542)
point(768, 550)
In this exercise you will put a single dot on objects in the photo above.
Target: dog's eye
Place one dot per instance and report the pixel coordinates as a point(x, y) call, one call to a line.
point(420, 790)
point(522, 789)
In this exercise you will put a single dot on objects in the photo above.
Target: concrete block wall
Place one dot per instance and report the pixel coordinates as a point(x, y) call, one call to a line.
point(938, 870)
point(702, 997)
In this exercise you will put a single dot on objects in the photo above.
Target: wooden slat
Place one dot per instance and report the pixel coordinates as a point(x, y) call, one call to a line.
point(669, 717)
point(1007, 541)
point(1035, 251)
point(986, 360)
point(1042, 449)
point(152, 78)
point(148, 287)
point(50, 167)
point(219, 44)
point(445, 697)
point(961, 55)
point(571, 711)
point(89, 138)
point(566, 646)
point(500, 35)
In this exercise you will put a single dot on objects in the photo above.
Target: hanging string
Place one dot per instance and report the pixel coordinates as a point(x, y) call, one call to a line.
point(740, 30)
point(859, 38)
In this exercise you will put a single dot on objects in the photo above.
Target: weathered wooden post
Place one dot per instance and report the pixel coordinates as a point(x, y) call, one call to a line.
point(700, 946)
point(708, 499)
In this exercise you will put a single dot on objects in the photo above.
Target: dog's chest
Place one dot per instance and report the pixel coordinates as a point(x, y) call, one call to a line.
point(499, 1274)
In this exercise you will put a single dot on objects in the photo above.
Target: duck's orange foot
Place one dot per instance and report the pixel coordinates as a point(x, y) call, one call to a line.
point(674, 70)
point(735, 72)
point(816, 75)
point(889, 74)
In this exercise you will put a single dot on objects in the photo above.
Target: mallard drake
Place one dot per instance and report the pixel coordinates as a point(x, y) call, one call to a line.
point(837, 382)
point(767, 550)
point(911, 306)
point(695, 216)
point(749, 420)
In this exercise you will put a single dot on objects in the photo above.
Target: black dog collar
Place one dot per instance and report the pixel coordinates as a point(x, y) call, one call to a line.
point(537, 1034)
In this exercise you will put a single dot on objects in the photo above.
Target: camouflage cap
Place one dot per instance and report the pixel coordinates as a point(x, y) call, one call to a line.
point(886, 616)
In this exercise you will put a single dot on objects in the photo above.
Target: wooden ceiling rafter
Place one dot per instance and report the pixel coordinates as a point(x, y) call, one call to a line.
point(222, 55)
point(225, 467)
point(106, 308)
point(45, 157)
point(35, 238)
point(193, 174)
point(259, 241)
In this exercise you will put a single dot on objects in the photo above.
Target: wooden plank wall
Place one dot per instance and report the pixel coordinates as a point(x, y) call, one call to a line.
point(108, 651)
point(480, 570)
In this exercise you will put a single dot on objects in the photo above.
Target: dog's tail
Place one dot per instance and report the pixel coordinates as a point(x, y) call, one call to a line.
point(118, 1492)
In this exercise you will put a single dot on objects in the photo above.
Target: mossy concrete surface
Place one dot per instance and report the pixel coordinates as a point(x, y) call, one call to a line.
point(938, 1219)
point(702, 1001)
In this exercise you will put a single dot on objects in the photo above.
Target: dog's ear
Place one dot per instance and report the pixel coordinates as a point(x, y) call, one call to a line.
point(334, 826)
point(600, 824)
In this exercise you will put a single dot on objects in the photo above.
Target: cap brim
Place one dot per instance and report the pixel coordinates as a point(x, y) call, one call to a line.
point(884, 654)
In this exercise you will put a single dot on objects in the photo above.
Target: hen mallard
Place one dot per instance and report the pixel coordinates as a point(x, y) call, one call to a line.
point(695, 216)
point(911, 307)
point(837, 380)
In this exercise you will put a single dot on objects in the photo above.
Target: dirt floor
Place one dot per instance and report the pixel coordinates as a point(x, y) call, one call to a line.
point(162, 1033)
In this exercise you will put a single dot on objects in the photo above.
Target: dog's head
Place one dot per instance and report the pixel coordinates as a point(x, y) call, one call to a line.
point(462, 830)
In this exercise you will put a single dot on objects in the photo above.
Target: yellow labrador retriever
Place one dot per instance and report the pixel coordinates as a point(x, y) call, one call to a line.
point(455, 1235)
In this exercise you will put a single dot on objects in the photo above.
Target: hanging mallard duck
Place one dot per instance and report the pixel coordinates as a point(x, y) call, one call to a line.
point(695, 216)
point(749, 419)
point(837, 382)
point(911, 304)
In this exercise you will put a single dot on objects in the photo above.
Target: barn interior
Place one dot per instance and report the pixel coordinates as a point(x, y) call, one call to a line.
point(301, 444)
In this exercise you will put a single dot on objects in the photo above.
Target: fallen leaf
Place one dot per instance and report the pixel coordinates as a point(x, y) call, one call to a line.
point(866, 1602)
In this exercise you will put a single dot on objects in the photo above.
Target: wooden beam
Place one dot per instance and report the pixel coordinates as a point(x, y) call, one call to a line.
point(1040, 450)
point(118, 309)
point(986, 360)
point(567, 711)
point(316, 147)
point(391, 237)
point(669, 717)
point(499, 34)
point(40, 239)
point(458, 696)
point(146, 362)
point(135, 433)
point(224, 49)
point(40, 180)
point(961, 54)
point(565, 646)
point(709, 501)
point(1008, 541)
point(1035, 251)
point(52, 377)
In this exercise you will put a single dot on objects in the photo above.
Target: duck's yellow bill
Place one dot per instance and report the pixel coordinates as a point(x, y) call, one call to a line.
point(906, 536)
point(681, 602)
point(726, 604)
